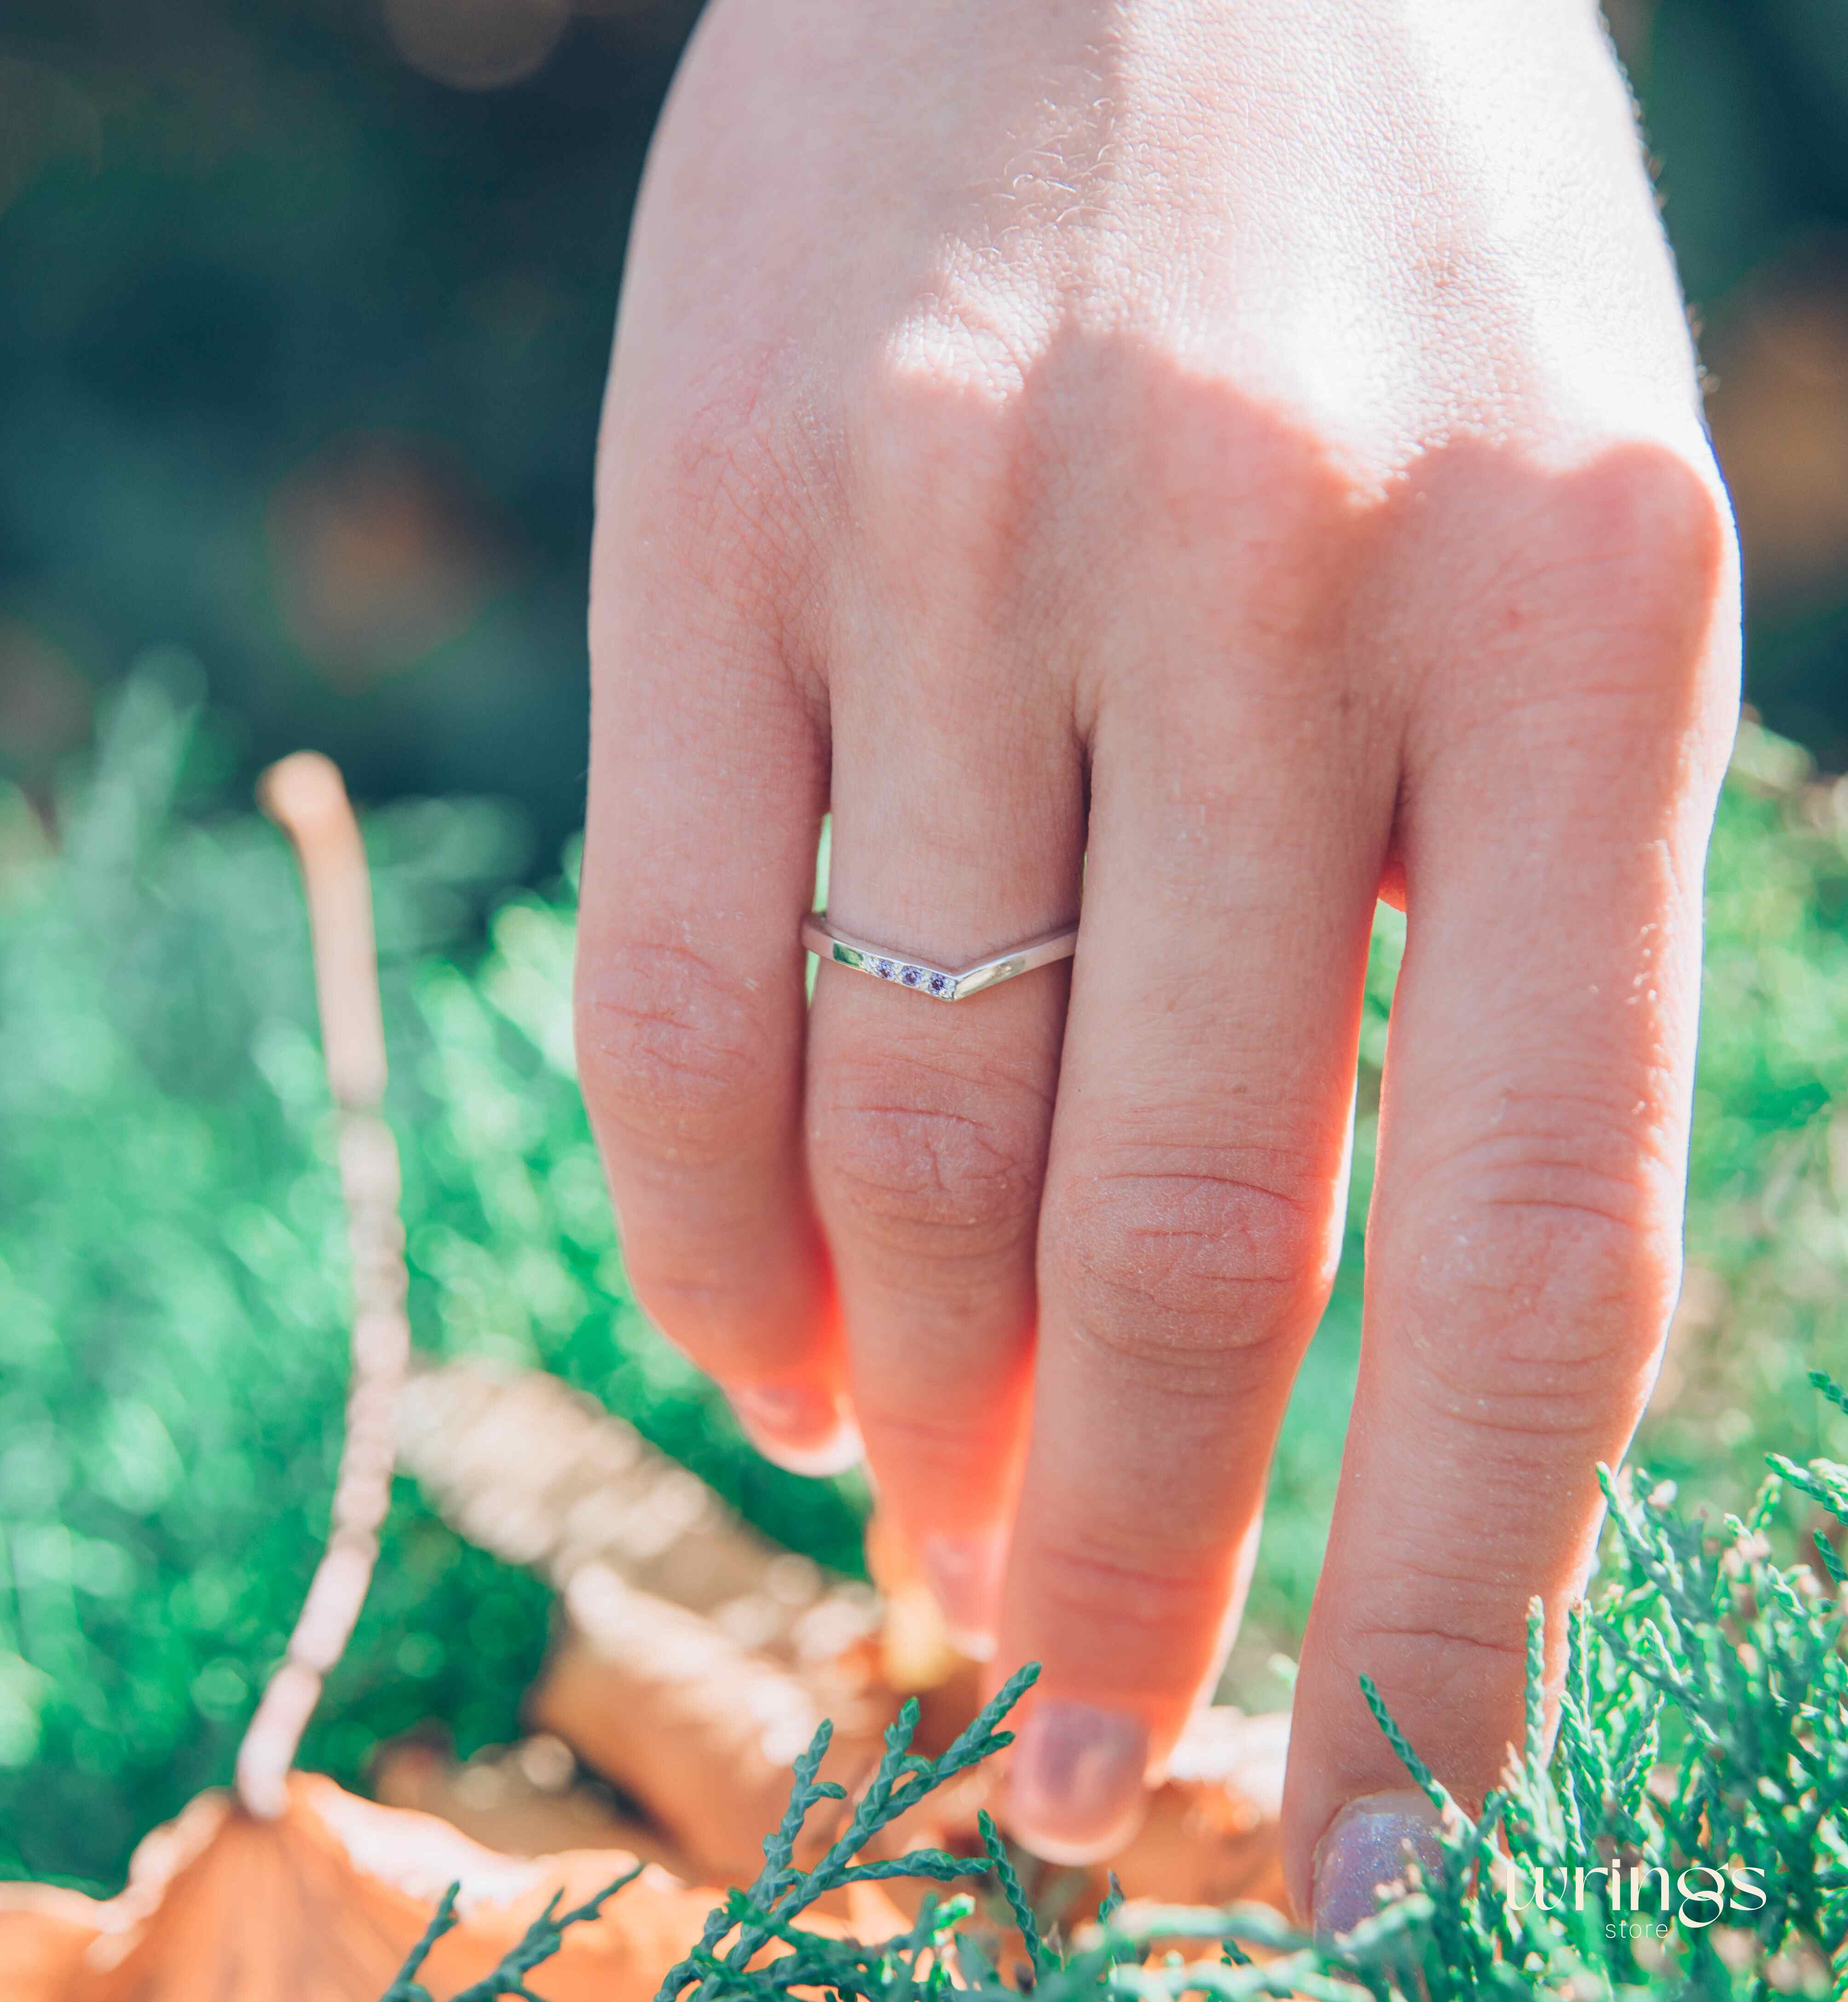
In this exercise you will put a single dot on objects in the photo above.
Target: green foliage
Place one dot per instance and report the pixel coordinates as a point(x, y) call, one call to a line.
point(172, 1288)
point(542, 1939)
point(253, 254)
point(174, 1303)
point(768, 1910)
point(782, 1892)
point(1545, 1893)
point(1006, 1876)
point(1768, 1177)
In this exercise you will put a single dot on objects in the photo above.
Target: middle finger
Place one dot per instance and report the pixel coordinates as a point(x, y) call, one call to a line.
point(1193, 1216)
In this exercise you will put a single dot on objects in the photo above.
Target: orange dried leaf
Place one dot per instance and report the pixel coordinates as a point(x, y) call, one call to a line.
point(322, 1904)
point(702, 1732)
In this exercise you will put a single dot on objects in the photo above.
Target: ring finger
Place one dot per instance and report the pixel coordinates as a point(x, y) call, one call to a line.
point(928, 1120)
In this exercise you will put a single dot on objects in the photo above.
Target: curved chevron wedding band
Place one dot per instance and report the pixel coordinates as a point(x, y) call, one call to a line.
point(942, 983)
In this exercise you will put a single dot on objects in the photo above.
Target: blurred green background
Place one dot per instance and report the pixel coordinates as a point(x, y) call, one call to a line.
point(306, 309)
point(307, 305)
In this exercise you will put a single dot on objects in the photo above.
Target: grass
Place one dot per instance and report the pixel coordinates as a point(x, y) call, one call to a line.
point(173, 1312)
point(172, 1296)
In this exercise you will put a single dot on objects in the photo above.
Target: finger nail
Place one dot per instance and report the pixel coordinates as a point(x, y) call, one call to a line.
point(1372, 1841)
point(964, 1574)
point(1076, 1793)
point(797, 1427)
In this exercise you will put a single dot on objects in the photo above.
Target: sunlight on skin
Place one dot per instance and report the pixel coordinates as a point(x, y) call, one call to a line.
point(1235, 462)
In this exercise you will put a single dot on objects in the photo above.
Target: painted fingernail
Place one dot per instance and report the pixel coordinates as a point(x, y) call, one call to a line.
point(798, 1428)
point(1369, 1844)
point(964, 1575)
point(1076, 1792)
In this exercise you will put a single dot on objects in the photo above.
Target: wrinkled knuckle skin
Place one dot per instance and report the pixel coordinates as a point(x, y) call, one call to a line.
point(936, 423)
point(1565, 1256)
point(721, 474)
point(1148, 1601)
point(1441, 1668)
point(1443, 1635)
point(722, 486)
point(675, 1057)
point(1174, 1263)
point(929, 1435)
point(919, 1164)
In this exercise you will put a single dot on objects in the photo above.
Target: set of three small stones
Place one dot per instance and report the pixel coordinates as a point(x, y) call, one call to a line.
point(939, 984)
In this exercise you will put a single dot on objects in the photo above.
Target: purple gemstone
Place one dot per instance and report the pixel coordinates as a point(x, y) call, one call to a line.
point(940, 985)
point(881, 967)
point(911, 976)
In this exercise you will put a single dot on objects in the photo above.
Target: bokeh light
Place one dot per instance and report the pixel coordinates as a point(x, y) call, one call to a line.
point(476, 44)
point(1779, 409)
point(379, 557)
point(45, 704)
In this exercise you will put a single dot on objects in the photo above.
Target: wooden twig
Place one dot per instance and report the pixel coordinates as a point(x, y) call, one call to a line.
point(305, 795)
point(540, 1474)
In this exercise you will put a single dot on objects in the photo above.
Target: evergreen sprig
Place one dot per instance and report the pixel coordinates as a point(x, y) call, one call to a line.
point(542, 1939)
point(1702, 1727)
point(781, 1891)
point(1010, 1889)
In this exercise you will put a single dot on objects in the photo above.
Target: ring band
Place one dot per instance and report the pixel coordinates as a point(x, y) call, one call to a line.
point(942, 983)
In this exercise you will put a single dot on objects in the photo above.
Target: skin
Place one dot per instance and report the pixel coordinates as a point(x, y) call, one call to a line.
point(1244, 460)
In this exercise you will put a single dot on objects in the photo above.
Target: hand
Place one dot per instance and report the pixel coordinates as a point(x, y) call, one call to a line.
point(1244, 459)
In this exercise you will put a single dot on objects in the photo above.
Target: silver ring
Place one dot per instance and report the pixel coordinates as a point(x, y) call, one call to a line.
point(941, 983)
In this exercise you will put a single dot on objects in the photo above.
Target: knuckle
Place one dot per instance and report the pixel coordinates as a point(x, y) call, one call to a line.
point(1147, 1600)
point(1439, 1639)
point(916, 1158)
point(1643, 523)
point(939, 409)
point(675, 1055)
point(1561, 1235)
point(1173, 1257)
point(687, 1292)
point(1627, 561)
point(929, 1436)
point(721, 481)
point(718, 469)
point(944, 452)
point(1444, 1663)
point(701, 1319)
